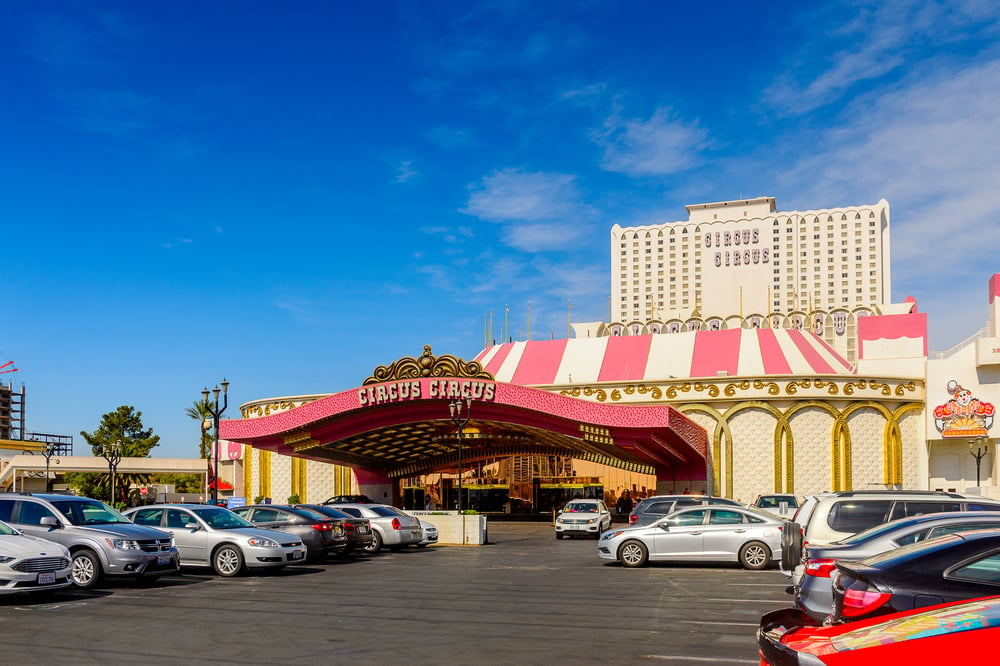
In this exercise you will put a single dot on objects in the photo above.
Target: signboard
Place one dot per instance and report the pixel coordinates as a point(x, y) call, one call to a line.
point(235, 502)
point(143, 490)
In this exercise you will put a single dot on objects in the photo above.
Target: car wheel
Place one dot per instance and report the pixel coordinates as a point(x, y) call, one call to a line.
point(227, 561)
point(791, 545)
point(86, 571)
point(375, 545)
point(559, 535)
point(755, 555)
point(633, 554)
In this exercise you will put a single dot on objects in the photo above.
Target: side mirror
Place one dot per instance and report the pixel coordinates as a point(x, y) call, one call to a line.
point(193, 526)
point(663, 526)
point(49, 521)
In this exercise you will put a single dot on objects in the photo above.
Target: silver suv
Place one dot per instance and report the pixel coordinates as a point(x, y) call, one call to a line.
point(101, 541)
point(828, 517)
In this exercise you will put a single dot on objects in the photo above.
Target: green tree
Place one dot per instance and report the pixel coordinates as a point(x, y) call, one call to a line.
point(201, 411)
point(123, 429)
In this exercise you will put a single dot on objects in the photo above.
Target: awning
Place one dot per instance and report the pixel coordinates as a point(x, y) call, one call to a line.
point(220, 485)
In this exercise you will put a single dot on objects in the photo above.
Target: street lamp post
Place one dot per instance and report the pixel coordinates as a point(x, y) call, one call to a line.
point(112, 452)
point(982, 448)
point(459, 420)
point(50, 450)
point(216, 411)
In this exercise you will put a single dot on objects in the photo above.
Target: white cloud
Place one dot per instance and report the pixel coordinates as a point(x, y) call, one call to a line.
point(927, 147)
point(405, 171)
point(664, 144)
point(879, 39)
point(542, 210)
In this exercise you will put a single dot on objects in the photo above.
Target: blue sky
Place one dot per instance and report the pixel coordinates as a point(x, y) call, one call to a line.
point(288, 195)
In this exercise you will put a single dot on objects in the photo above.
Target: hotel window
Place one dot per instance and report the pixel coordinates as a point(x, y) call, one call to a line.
point(777, 279)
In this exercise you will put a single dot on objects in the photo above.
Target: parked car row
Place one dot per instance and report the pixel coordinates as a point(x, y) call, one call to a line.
point(896, 577)
point(49, 542)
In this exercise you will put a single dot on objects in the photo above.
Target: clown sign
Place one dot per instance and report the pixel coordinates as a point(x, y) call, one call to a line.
point(963, 415)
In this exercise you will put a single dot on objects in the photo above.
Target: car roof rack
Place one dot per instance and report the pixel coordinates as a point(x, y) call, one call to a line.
point(929, 493)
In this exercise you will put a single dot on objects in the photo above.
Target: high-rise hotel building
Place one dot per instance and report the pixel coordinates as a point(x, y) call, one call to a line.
point(745, 263)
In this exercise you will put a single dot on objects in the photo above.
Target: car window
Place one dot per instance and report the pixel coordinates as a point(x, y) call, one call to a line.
point(856, 515)
point(6, 507)
point(686, 502)
point(352, 511)
point(177, 519)
point(89, 512)
point(920, 507)
point(383, 511)
point(31, 513)
point(658, 508)
point(977, 506)
point(687, 518)
point(270, 516)
point(725, 517)
point(985, 570)
point(961, 527)
point(221, 519)
point(7, 530)
point(150, 517)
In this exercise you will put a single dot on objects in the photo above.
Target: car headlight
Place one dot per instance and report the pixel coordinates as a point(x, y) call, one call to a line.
point(4, 559)
point(591, 521)
point(262, 542)
point(124, 544)
point(610, 535)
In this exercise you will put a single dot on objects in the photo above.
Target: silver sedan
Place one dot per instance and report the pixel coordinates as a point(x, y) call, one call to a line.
point(700, 534)
point(208, 535)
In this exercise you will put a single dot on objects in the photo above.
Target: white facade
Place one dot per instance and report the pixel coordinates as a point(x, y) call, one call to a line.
point(735, 258)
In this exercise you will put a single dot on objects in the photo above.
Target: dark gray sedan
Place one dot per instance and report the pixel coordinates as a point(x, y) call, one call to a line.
point(813, 590)
point(358, 531)
point(322, 535)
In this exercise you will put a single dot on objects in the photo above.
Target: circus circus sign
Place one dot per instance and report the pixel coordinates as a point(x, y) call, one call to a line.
point(416, 389)
point(964, 415)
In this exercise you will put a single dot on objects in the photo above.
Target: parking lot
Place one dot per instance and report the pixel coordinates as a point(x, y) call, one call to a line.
point(525, 598)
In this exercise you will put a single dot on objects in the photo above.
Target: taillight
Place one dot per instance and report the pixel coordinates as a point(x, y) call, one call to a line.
point(322, 527)
point(820, 568)
point(632, 519)
point(861, 602)
point(396, 525)
point(348, 527)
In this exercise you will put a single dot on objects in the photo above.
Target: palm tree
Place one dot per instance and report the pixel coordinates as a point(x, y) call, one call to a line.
point(201, 411)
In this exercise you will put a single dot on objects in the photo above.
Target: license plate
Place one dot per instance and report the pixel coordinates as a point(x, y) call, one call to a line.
point(574, 527)
point(297, 555)
point(362, 530)
point(46, 578)
point(162, 559)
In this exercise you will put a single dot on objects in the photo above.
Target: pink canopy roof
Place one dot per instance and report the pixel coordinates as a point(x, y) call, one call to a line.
point(733, 352)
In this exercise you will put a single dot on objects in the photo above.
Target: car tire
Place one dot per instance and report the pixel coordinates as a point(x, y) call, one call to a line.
point(633, 554)
point(375, 545)
point(791, 546)
point(755, 555)
point(227, 561)
point(559, 535)
point(86, 571)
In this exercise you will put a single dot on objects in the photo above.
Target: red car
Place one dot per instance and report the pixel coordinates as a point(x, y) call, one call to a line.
point(931, 635)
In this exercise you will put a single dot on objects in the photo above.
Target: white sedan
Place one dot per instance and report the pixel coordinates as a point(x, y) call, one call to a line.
point(30, 564)
point(700, 534)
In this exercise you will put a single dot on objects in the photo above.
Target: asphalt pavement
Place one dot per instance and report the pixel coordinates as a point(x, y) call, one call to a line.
point(525, 598)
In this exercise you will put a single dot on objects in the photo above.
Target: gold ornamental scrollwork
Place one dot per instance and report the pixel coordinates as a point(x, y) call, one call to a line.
point(428, 365)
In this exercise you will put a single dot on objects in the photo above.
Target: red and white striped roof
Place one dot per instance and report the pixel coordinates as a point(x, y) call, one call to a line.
point(736, 352)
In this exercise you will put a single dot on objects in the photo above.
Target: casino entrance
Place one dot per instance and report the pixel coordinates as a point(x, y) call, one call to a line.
point(521, 451)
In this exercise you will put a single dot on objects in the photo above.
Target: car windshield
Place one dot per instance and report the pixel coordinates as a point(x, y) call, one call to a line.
point(581, 507)
point(89, 512)
point(221, 519)
point(384, 511)
point(328, 511)
point(775, 502)
point(7, 530)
